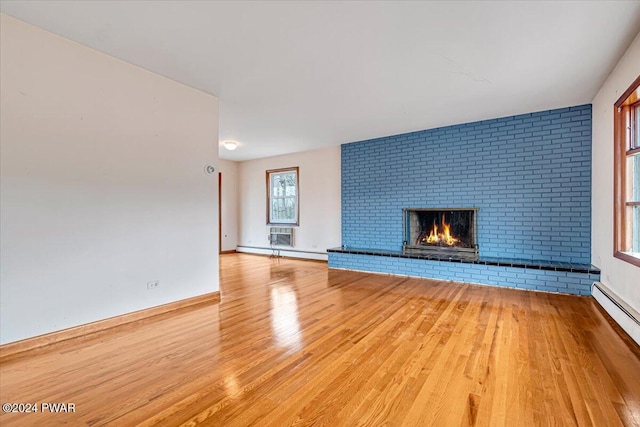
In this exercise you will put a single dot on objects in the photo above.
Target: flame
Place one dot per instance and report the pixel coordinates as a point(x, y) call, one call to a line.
point(433, 235)
point(444, 237)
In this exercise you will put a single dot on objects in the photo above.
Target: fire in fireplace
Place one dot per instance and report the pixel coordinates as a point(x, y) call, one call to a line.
point(446, 231)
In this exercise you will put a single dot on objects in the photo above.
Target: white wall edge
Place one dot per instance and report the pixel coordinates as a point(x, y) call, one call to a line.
point(622, 313)
point(291, 253)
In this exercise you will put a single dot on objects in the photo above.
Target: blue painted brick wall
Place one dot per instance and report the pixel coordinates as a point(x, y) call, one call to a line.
point(530, 176)
point(522, 278)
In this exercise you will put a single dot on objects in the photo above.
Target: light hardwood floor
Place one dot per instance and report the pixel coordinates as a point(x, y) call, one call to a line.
point(293, 343)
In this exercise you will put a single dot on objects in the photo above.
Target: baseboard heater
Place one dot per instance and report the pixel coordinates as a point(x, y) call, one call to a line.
point(625, 316)
point(287, 252)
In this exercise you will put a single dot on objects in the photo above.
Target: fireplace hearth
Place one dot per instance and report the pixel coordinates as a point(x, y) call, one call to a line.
point(444, 231)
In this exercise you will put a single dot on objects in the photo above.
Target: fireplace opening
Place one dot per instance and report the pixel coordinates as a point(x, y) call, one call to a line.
point(446, 231)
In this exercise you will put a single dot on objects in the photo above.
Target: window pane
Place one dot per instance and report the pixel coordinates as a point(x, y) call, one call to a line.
point(290, 208)
point(283, 210)
point(633, 178)
point(288, 183)
point(283, 194)
point(283, 184)
point(290, 189)
point(276, 186)
point(277, 209)
point(635, 231)
point(635, 143)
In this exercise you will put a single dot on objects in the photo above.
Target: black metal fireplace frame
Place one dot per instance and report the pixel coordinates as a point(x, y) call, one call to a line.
point(467, 253)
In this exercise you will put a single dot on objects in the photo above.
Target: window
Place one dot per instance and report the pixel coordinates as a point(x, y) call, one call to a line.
point(626, 240)
point(282, 196)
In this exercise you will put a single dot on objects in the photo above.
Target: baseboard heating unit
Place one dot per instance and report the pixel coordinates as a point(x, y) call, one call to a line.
point(625, 316)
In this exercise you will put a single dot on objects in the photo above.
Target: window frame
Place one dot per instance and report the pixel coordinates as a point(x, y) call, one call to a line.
point(624, 132)
point(269, 173)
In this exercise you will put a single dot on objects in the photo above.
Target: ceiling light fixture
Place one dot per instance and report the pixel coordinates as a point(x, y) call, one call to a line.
point(230, 145)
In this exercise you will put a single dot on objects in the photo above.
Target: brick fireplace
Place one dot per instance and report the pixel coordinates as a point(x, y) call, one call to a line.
point(529, 175)
point(447, 231)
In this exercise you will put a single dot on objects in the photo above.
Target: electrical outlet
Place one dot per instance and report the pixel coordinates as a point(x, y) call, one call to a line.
point(153, 285)
point(314, 246)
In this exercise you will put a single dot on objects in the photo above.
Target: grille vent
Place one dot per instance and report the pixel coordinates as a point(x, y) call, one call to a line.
point(281, 236)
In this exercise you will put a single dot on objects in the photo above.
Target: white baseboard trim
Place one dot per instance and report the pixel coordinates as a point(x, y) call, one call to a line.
point(290, 253)
point(625, 316)
point(15, 349)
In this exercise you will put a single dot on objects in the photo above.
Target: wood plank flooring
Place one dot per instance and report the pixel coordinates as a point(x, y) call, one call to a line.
point(293, 343)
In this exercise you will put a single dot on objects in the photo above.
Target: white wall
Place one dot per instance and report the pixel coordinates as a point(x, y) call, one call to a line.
point(230, 204)
point(103, 185)
point(320, 207)
point(621, 277)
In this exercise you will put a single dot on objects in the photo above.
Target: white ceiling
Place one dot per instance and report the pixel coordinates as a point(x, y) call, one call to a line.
point(293, 76)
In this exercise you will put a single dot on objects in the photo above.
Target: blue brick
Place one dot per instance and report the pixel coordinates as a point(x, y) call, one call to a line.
point(517, 186)
point(513, 277)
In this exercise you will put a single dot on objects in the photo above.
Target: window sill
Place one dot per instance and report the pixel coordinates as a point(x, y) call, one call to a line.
point(626, 256)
